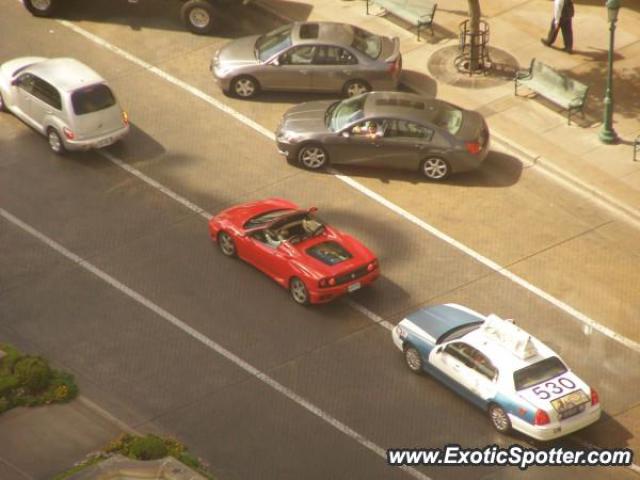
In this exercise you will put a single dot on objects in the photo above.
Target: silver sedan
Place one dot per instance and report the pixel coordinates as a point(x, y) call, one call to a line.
point(64, 100)
point(310, 56)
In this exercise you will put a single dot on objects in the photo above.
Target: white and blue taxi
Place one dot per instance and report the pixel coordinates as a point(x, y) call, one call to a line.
point(519, 381)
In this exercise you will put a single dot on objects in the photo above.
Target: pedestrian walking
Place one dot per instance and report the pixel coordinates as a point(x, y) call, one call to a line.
point(562, 20)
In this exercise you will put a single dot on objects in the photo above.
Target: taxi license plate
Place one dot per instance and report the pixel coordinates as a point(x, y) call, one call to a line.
point(104, 143)
point(353, 287)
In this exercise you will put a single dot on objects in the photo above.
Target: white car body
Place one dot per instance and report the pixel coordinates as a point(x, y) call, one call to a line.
point(60, 98)
point(484, 357)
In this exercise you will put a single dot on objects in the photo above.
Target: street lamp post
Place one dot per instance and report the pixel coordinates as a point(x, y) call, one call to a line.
point(607, 134)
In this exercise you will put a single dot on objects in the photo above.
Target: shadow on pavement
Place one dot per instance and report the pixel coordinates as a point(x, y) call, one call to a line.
point(138, 144)
point(232, 18)
point(295, 10)
point(292, 98)
point(418, 82)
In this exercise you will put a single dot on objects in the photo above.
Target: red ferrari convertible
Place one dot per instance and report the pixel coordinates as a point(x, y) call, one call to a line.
point(315, 262)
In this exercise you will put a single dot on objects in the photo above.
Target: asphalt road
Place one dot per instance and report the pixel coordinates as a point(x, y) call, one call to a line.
point(153, 376)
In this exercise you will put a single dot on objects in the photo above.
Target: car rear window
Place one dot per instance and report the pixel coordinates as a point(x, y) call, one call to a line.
point(538, 372)
point(330, 253)
point(449, 118)
point(92, 99)
point(366, 42)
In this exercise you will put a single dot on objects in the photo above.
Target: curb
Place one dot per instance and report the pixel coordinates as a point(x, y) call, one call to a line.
point(542, 164)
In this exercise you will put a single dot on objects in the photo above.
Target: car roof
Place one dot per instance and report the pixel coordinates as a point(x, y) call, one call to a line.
point(441, 319)
point(327, 32)
point(66, 74)
point(402, 105)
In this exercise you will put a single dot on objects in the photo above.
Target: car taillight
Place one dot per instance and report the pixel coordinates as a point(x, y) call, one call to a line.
point(372, 266)
point(125, 118)
point(394, 67)
point(541, 418)
point(68, 133)
point(327, 282)
point(473, 147)
point(595, 399)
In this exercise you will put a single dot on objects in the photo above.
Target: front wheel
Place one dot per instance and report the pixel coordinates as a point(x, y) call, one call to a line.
point(198, 15)
point(413, 359)
point(245, 87)
point(312, 156)
point(55, 142)
point(435, 168)
point(40, 8)
point(499, 419)
point(299, 291)
point(226, 244)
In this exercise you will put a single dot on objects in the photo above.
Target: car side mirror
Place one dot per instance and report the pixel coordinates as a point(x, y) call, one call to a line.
point(346, 134)
point(439, 349)
point(275, 62)
point(14, 82)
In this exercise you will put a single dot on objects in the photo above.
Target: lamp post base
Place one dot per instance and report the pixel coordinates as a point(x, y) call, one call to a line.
point(608, 136)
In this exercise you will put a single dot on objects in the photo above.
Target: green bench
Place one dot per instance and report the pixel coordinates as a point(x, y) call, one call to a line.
point(416, 12)
point(554, 86)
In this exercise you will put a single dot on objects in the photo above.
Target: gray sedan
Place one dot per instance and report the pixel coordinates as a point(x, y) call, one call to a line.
point(310, 56)
point(385, 129)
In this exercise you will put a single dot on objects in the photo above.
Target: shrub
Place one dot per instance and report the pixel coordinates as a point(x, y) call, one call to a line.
point(149, 447)
point(189, 460)
point(9, 360)
point(5, 404)
point(7, 384)
point(33, 373)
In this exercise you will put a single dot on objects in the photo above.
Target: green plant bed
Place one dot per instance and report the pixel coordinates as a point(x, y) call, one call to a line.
point(28, 381)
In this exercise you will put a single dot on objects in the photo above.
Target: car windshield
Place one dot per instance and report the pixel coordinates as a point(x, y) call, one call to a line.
point(538, 372)
point(330, 253)
point(449, 118)
point(366, 42)
point(92, 99)
point(345, 112)
point(265, 218)
point(459, 332)
point(273, 42)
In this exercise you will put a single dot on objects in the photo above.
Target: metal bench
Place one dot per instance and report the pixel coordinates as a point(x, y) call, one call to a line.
point(416, 12)
point(554, 86)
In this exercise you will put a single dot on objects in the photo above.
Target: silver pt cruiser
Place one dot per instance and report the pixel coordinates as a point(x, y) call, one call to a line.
point(309, 56)
point(64, 100)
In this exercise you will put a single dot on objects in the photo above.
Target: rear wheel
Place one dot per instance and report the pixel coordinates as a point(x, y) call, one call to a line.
point(299, 291)
point(198, 15)
point(55, 141)
point(312, 156)
point(245, 87)
point(435, 168)
point(226, 244)
point(413, 359)
point(499, 419)
point(40, 8)
point(355, 87)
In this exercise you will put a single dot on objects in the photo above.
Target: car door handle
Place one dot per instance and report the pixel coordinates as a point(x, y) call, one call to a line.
point(346, 72)
point(420, 146)
point(304, 72)
point(378, 145)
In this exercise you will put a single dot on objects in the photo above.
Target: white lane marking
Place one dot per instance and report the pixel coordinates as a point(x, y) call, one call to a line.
point(627, 342)
point(158, 186)
point(374, 317)
point(216, 347)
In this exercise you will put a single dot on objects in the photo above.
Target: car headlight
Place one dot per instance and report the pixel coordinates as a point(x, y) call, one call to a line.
point(289, 137)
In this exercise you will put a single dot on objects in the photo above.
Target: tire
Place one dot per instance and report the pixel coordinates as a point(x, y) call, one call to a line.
point(197, 16)
point(298, 291)
point(355, 87)
point(41, 8)
point(312, 156)
point(55, 141)
point(499, 419)
point(435, 168)
point(227, 245)
point(413, 359)
point(244, 87)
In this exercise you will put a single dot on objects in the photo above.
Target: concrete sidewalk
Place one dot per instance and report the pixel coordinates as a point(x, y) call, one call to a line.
point(530, 125)
point(38, 443)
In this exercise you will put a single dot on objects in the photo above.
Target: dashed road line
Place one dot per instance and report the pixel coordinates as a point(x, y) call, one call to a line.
point(206, 341)
point(565, 307)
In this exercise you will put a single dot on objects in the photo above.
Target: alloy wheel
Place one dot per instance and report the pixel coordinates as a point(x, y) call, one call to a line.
point(199, 18)
point(499, 419)
point(227, 246)
point(244, 87)
point(412, 357)
point(435, 168)
point(41, 5)
point(299, 291)
point(54, 141)
point(312, 157)
point(356, 88)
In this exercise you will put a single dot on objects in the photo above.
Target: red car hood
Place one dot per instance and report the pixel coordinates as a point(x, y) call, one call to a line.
point(239, 214)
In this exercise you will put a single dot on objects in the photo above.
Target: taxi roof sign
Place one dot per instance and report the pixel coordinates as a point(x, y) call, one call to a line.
point(510, 336)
